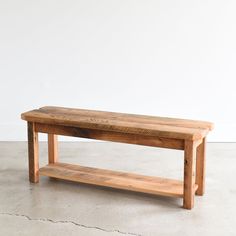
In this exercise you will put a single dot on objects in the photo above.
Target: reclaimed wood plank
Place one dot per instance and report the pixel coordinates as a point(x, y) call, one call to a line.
point(114, 123)
point(114, 179)
point(131, 117)
point(111, 136)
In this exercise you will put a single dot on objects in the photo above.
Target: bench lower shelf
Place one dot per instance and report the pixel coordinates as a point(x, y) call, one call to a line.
point(114, 179)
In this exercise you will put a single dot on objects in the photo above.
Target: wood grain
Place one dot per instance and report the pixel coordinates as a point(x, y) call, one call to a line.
point(200, 168)
point(111, 136)
point(181, 134)
point(119, 122)
point(33, 154)
point(114, 179)
point(52, 148)
point(189, 174)
point(131, 117)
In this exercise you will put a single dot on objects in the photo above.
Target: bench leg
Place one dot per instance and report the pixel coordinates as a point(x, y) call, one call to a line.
point(33, 153)
point(189, 174)
point(200, 168)
point(52, 148)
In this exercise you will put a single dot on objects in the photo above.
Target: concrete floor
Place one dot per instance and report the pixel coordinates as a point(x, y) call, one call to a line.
point(55, 207)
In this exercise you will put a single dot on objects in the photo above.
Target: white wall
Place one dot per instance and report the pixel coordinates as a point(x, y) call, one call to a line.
point(160, 57)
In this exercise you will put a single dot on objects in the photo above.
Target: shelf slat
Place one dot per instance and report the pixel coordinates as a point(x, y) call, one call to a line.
point(114, 179)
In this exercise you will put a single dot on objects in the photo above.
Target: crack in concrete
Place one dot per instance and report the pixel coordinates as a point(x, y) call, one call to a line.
point(69, 222)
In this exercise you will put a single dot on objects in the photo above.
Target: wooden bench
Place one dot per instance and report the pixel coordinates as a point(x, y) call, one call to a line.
point(187, 135)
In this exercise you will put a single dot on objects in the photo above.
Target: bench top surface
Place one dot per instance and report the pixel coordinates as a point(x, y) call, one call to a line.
point(120, 122)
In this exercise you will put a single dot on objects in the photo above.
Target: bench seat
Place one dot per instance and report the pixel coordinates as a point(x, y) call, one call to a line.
point(120, 122)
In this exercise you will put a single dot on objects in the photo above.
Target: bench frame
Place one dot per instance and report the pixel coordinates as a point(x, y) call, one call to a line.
point(194, 161)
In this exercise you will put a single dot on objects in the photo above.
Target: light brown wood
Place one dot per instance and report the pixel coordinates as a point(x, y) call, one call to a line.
point(119, 122)
point(189, 174)
point(52, 148)
point(196, 142)
point(181, 134)
point(131, 117)
point(115, 179)
point(200, 168)
point(111, 136)
point(33, 153)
